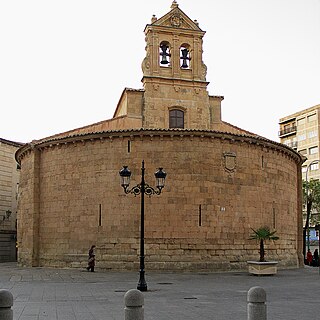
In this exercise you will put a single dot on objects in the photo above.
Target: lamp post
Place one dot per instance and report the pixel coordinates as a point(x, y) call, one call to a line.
point(306, 229)
point(142, 188)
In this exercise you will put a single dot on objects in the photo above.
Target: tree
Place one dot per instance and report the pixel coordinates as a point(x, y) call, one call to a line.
point(262, 234)
point(311, 201)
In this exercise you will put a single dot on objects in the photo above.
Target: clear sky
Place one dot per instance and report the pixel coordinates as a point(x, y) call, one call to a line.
point(65, 63)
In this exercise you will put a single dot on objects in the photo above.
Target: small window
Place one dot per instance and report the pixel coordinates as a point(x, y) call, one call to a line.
point(301, 121)
point(176, 119)
point(313, 150)
point(314, 166)
point(164, 54)
point(304, 169)
point(303, 151)
point(312, 117)
point(312, 134)
point(302, 137)
point(287, 142)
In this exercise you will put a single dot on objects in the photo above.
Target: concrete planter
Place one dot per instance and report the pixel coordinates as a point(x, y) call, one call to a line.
point(262, 268)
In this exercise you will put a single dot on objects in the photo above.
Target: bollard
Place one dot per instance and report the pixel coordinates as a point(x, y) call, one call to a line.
point(133, 301)
point(256, 308)
point(6, 302)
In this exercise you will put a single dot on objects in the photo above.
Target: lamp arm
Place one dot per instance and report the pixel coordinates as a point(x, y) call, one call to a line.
point(136, 190)
point(150, 191)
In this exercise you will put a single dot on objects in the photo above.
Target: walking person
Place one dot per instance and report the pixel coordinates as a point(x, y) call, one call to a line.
point(316, 257)
point(309, 257)
point(91, 259)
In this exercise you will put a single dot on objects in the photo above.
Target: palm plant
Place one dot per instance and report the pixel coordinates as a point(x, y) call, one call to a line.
point(262, 234)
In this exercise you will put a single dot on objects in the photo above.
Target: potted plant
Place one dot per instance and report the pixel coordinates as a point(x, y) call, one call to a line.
point(263, 267)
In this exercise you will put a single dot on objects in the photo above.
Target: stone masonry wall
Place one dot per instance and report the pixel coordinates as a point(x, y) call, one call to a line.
point(160, 96)
point(218, 187)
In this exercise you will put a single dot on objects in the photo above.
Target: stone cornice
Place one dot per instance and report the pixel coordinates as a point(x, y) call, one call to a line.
point(152, 133)
point(169, 80)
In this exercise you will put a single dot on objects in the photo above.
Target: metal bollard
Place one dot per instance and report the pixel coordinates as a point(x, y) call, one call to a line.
point(134, 301)
point(256, 308)
point(6, 302)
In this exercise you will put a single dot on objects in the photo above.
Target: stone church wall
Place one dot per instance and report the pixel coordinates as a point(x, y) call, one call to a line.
point(218, 187)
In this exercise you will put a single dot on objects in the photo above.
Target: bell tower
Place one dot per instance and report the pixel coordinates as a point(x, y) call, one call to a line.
point(174, 74)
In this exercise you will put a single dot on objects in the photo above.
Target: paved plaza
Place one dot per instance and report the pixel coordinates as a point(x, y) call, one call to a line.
point(68, 294)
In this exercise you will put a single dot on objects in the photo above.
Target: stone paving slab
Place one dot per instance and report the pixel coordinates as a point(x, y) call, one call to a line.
point(72, 294)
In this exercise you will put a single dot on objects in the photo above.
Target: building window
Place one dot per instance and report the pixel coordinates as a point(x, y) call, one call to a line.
point(185, 57)
point(301, 137)
point(176, 119)
point(313, 150)
point(287, 142)
point(312, 134)
point(303, 152)
point(164, 54)
point(312, 117)
point(301, 121)
point(314, 166)
point(304, 169)
point(288, 126)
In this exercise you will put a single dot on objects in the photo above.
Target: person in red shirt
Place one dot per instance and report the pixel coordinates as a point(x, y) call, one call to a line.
point(309, 257)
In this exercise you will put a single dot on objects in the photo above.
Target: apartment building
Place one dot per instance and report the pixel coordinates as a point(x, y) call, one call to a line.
point(300, 131)
point(9, 182)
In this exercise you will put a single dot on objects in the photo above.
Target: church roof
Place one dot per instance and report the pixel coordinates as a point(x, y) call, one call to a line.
point(110, 134)
point(11, 143)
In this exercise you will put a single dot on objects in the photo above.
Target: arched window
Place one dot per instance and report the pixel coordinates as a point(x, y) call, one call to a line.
point(185, 57)
point(164, 54)
point(176, 119)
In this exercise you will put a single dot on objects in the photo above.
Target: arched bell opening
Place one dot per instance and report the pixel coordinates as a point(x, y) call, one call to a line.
point(164, 54)
point(185, 57)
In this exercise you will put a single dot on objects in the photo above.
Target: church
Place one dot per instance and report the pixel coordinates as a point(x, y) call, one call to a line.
point(222, 181)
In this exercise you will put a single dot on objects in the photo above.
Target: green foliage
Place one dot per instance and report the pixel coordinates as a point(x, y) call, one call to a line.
point(262, 234)
point(311, 195)
point(311, 206)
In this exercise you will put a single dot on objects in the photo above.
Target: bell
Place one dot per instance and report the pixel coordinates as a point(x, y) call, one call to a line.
point(164, 60)
point(184, 64)
point(184, 58)
point(164, 54)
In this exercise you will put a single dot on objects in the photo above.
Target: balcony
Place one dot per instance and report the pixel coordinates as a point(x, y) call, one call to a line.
point(288, 131)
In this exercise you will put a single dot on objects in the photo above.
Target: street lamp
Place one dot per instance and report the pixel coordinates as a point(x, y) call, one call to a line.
point(142, 188)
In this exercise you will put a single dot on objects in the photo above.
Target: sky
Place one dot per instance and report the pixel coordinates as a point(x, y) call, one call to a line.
point(65, 63)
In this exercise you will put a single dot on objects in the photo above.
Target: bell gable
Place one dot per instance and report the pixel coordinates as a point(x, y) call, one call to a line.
point(176, 18)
